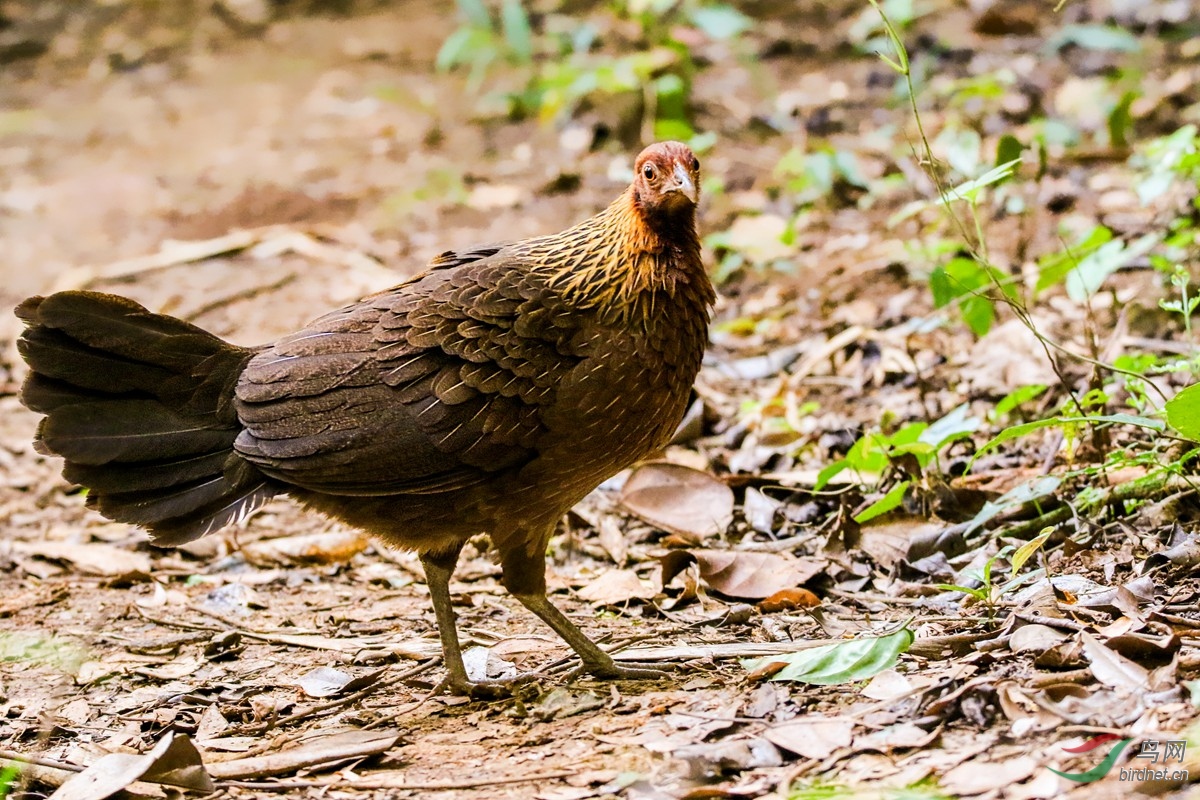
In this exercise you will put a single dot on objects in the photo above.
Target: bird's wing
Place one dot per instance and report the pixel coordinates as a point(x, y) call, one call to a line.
point(429, 387)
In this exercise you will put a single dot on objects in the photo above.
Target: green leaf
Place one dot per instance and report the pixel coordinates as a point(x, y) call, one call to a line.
point(968, 191)
point(455, 49)
point(883, 505)
point(476, 13)
point(827, 474)
point(1018, 397)
point(953, 426)
point(8, 777)
point(720, 22)
point(1095, 37)
point(843, 662)
point(978, 592)
point(1017, 496)
point(979, 313)
point(1008, 149)
point(1183, 412)
point(1092, 270)
point(1017, 431)
point(515, 24)
point(1025, 551)
point(1054, 268)
point(1120, 121)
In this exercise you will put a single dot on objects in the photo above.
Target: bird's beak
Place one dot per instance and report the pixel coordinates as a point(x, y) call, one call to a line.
point(682, 183)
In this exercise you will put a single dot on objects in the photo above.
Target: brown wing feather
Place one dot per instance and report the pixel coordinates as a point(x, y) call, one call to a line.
point(433, 386)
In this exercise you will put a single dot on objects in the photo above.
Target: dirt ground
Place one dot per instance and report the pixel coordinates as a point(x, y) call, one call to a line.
point(250, 181)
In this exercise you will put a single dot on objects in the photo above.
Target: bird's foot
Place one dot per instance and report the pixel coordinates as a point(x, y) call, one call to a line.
point(627, 671)
point(493, 689)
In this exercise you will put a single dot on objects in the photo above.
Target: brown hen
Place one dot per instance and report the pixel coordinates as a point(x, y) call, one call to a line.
point(490, 393)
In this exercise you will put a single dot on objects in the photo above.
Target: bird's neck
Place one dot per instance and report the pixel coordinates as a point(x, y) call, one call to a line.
point(621, 257)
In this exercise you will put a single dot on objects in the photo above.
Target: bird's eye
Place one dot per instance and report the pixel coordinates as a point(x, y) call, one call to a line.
point(648, 171)
point(695, 164)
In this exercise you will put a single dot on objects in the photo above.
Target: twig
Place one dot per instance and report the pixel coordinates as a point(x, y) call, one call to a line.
point(1057, 678)
point(37, 761)
point(869, 597)
point(1138, 489)
point(717, 651)
point(174, 623)
point(342, 784)
point(233, 297)
point(172, 254)
point(322, 709)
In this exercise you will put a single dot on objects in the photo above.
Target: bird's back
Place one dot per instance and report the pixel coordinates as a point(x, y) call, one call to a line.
point(488, 393)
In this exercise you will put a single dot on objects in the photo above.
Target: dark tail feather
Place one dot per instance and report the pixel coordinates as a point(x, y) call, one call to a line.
point(141, 407)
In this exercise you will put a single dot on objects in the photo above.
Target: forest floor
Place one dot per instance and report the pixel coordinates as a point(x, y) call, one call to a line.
point(249, 182)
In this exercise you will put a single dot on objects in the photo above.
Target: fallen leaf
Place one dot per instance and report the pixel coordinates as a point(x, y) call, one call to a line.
point(843, 662)
point(814, 736)
point(1111, 668)
point(327, 681)
point(92, 559)
point(679, 499)
point(329, 547)
point(174, 761)
point(484, 665)
point(1034, 638)
point(982, 775)
point(787, 600)
point(562, 702)
point(759, 238)
point(888, 685)
point(744, 574)
point(707, 760)
point(616, 587)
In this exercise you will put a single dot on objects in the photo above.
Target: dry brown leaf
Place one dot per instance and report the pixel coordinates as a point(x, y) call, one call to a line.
point(787, 600)
point(1035, 638)
point(982, 775)
point(173, 761)
point(329, 547)
point(92, 559)
point(744, 574)
point(1111, 668)
point(814, 736)
point(886, 540)
point(679, 499)
point(616, 587)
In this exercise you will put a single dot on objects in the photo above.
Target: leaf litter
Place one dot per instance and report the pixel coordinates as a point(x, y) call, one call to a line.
point(291, 655)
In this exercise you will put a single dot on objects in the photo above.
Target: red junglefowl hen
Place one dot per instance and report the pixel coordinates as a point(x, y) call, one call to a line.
point(489, 393)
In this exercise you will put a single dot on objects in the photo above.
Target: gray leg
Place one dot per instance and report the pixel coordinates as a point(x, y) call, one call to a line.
point(595, 661)
point(525, 578)
point(438, 569)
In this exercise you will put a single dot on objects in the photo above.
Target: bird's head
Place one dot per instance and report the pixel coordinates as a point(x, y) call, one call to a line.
point(666, 182)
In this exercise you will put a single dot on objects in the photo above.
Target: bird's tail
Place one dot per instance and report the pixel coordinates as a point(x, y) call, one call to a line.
point(141, 406)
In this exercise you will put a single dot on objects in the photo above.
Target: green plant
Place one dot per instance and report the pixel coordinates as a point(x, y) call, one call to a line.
point(919, 442)
point(814, 175)
point(482, 40)
point(580, 67)
point(989, 593)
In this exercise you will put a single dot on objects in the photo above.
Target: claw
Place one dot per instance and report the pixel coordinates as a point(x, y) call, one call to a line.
point(501, 689)
point(632, 671)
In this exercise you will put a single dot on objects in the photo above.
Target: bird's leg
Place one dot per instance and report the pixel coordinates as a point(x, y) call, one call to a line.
point(525, 578)
point(438, 569)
